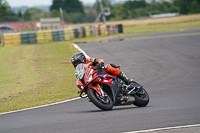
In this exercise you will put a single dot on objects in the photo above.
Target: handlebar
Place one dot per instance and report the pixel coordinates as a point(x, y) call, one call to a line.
point(99, 66)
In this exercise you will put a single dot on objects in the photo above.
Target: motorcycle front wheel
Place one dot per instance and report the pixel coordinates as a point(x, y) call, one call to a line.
point(104, 103)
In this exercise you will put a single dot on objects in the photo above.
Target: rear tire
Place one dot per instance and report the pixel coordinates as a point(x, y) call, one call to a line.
point(102, 103)
point(141, 100)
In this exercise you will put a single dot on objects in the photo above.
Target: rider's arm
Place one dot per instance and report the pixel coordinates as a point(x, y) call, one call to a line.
point(94, 61)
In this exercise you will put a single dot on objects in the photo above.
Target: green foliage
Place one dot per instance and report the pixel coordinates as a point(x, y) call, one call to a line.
point(68, 5)
point(54, 13)
point(195, 7)
point(188, 6)
point(33, 14)
point(5, 12)
point(129, 5)
point(72, 10)
point(138, 8)
point(56, 5)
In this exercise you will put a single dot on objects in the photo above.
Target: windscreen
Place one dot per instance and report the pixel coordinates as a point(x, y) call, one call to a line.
point(80, 70)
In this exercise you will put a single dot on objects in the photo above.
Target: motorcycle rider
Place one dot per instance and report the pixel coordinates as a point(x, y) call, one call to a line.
point(110, 68)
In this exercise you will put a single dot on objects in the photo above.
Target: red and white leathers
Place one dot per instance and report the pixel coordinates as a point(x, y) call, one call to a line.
point(111, 68)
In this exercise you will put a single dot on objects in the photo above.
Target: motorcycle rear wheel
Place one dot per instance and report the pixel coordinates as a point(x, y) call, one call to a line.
point(102, 103)
point(141, 98)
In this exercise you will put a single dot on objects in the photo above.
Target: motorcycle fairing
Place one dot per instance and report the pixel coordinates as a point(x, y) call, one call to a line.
point(104, 79)
point(78, 83)
point(115, 88)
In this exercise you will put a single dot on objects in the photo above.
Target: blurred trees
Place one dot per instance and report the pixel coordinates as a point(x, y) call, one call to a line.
point(140, 8)
point(188, 6)
point(5, 12)
point(70, 6)
point(75, 12)
point(33, 14)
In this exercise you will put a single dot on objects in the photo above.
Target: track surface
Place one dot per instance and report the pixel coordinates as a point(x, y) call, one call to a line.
point(167, 66)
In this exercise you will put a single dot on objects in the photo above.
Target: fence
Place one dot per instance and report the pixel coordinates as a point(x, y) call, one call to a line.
point(45, 36)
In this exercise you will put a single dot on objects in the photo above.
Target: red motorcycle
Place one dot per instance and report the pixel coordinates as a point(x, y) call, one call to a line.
point(105, 90)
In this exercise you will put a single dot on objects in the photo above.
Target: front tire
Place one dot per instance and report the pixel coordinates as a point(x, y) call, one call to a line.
point(102, 103)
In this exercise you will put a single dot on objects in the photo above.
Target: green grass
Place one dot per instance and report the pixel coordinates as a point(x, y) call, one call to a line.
point(142, 29)
point(33, 75)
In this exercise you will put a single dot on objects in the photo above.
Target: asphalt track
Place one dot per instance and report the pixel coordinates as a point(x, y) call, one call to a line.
point(166, 64)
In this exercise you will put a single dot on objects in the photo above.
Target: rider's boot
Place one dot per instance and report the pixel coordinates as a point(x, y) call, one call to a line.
point(123, 77)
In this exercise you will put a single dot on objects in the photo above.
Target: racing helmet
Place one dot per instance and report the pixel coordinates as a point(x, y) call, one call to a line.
point(78, 58)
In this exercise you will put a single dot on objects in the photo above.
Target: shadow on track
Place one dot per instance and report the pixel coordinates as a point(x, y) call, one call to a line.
point(119, 108)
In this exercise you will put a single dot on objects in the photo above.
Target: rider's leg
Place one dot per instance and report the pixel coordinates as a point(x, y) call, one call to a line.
point(123, 77)
point(112, 68)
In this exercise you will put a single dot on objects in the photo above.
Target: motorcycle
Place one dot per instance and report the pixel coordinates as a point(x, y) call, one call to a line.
point(105, 90)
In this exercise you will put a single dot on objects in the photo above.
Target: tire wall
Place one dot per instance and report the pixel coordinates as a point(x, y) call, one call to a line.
point(66, 34)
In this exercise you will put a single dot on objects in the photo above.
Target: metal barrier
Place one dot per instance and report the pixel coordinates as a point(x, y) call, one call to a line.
point(45, 36)
point(11, 39)
point(58, 35)
point(68, 34)
point(28, 38)
point(87, 31)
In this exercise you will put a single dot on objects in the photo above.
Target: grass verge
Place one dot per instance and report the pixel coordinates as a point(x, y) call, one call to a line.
point(33, 75)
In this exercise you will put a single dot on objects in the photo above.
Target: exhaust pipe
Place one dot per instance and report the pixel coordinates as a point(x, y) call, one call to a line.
point(127, 100)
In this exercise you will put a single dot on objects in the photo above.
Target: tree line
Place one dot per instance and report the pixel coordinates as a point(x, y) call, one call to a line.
point(74, 12)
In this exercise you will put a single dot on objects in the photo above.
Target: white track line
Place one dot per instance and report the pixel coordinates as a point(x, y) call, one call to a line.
point(40, 106)
point(76, 46)
point(161, 129)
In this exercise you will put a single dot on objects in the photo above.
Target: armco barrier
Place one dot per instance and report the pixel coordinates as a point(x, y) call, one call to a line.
point(40, 37)
point(96, 30)
point(111, 29)
point(58, 35)
point(108, 29)
point(120, 28)
point(11, 39)
point(24, 38)
point(87, 31)
point(115, 29)
point(99, 30)
point(48, 35)
point(76, 32)
point(68, 34)
point(55, 35)
point(45, 36)
point(103, 30)
point(28, 38)
point(82, 32)
point(32, 37)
